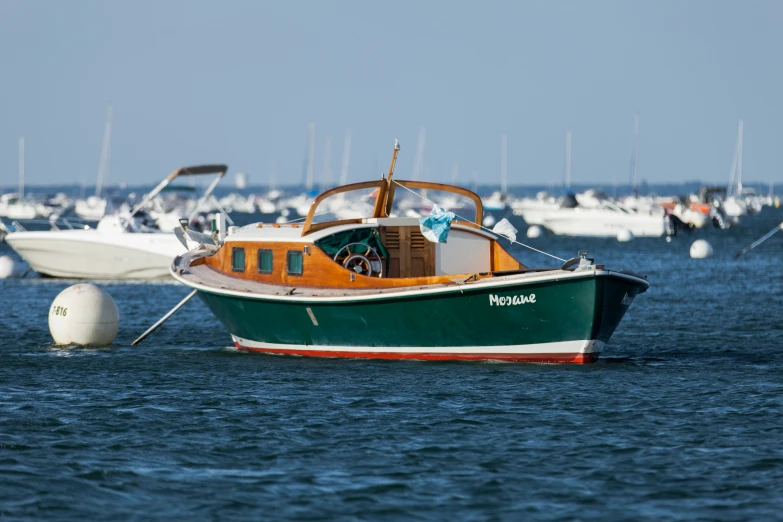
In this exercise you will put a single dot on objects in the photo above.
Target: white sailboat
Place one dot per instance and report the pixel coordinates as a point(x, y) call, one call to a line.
point(735, 206)
point(94, 207)
point(14, 206)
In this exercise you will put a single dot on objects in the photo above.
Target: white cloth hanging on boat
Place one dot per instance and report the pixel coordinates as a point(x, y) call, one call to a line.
point(506, 229)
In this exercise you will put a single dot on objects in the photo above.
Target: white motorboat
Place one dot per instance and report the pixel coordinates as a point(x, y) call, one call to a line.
point(605, 221)
point(532, 210)
point(120, 247)
point(110, 251)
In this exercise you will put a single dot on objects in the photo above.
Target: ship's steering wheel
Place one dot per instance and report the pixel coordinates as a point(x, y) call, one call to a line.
point(363, 259)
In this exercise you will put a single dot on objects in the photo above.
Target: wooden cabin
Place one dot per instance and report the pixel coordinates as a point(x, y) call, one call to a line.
point(353, 237)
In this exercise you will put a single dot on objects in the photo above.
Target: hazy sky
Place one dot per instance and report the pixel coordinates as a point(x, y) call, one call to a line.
point(238, 82)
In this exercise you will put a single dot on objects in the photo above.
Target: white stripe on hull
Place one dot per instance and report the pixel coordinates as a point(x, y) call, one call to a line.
point(564, 347)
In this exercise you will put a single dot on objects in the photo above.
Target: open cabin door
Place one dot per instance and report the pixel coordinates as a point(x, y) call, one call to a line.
point(410, 253)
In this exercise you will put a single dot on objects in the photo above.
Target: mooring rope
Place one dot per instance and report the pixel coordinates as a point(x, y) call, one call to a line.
point(480, 225)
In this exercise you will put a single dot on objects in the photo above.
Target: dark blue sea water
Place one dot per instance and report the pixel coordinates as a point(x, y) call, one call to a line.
point(681, 419)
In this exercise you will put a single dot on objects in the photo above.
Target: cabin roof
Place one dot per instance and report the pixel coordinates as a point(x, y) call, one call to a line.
point(293, 234)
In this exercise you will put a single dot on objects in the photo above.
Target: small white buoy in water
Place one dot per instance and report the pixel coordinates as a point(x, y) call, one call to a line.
point(701, 249)
point(11, 267)
point(624, 236)
point(533, 231)
point(489, 220)
point(84, 314)
point(281, 219)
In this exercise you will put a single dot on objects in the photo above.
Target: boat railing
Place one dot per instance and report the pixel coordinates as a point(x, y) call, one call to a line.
point(606, 204)
point(25, 225)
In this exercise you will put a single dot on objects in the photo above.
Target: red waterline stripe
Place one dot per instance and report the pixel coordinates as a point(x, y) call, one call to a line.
point(579, 358)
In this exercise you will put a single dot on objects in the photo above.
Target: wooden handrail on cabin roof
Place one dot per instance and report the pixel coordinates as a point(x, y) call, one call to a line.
point(427, 185)
point(384, 199)
point(389, 193)
point(308, 224)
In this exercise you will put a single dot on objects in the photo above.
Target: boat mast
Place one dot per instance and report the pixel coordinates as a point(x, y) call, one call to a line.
point(21, 168)
point(568, 160)
point(382, 202)
point(310, 156)
point(739, 159)
point(732, 173)
point(635, 155)
point(736, 166)
point(103, 165)
point(393, 161)
point(503, 164)
point(346, 159)
point(326, 175)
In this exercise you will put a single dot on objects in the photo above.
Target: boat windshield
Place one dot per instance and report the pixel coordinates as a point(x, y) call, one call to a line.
point(358, 203)
point(398, 199)
point(420, 202)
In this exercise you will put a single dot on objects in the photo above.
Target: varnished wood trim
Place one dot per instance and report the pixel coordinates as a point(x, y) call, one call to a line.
point(427, 185)
point(331, 192)
point(389, 200)
point(502, 260)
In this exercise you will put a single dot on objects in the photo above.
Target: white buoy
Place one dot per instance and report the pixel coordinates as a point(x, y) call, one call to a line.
point(624, 236)
point(11, 267)
point(701, 249)
point(668, 239)
point(84, 314)
point(489, 220)
point(534, 231)
point(281, 219)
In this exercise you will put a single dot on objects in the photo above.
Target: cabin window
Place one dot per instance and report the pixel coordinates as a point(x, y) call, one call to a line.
point(295, 262)
point(238, 259)
point(264, 261)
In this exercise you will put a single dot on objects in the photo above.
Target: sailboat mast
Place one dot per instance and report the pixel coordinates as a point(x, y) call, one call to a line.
point(635, 154)
point(568, 160)
point(310, 156)
point(21, 168)
point(739, 159)
point(346, 159)
point(733, 171)
point(504, 164)
point(103, 165)
point(326, 175)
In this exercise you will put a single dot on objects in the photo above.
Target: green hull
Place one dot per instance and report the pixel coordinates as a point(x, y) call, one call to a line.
point(553, 320)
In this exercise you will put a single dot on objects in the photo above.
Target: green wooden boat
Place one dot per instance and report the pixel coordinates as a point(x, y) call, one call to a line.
point(359, 279)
